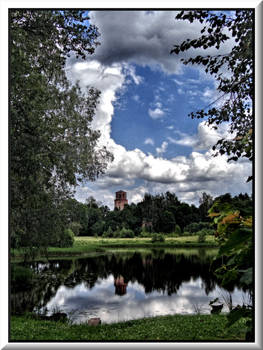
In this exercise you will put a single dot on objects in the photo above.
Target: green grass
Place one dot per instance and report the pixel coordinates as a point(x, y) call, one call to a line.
point(93, 245)
point(163, 328)
point(81, 242)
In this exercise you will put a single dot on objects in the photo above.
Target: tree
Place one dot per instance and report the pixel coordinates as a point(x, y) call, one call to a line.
point(52, 145)
point(235, 235)
point(205, 201)
point(233, 72)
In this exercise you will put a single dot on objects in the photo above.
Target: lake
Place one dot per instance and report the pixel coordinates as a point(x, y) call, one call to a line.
point(123, 285)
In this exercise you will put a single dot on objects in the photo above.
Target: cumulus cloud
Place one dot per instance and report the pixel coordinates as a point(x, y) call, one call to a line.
point(156, 113)
point(149, 141)
point(162, 149)
point(110, 70)
point(184, 175)
point(205, 138)
point(108, 80)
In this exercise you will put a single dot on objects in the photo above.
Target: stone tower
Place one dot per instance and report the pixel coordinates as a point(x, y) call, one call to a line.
point(120, 285)
point(120, 200)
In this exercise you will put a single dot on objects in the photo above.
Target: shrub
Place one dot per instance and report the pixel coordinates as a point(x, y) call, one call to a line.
point(178, 230)
point(158, 237)
point(145, 234)
point(186, 233)
point(21, 277)
point(108, 234)
point(126, 233)
point(75, 227)
point(209, 232)
point(194, 227)
point(67, 239)
point(201, 236)
point(117, 233)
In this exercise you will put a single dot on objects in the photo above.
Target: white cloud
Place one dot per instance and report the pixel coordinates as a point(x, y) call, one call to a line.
point(156, 113)
point(208, 93)
point(149, 141)
point(108, 80)
point(178, 82)
point(186, 176)
point(136, 98)
point(136, 194)
point(162, 149)
point(205, 138)
point(130, 70)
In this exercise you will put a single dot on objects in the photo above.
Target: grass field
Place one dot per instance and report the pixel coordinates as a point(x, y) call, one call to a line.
point(93, 245)
point(163, 328)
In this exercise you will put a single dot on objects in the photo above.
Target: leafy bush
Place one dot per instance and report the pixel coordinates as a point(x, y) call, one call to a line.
point(201, 236)
point(117, 233)
point(75, 227)
point(21, 277)
point(194, 227)
point(126, 233)
point(209, 231)
point(108, 234)
point(158, 237)
point(145, 234)
point(67, 239)
point(186, 233)
point(178, 230)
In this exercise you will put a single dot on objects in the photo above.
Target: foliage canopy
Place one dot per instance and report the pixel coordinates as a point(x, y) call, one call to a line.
point(233, 72)
point(52, 144)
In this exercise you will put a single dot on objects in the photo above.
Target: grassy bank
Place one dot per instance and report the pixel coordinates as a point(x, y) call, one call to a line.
point(163, 328)
point(87, 245)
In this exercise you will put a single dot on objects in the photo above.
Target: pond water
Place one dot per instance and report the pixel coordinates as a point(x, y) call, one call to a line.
point(125, 285)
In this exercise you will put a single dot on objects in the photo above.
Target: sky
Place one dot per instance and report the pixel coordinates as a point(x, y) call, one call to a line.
point(146, 96)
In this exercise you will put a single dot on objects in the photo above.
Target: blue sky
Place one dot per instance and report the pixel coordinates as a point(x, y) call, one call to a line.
point(137, 111)
point(146, 96)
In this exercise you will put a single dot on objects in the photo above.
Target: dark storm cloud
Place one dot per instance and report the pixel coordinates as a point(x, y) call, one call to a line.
point(141, 37)
point(145, 38)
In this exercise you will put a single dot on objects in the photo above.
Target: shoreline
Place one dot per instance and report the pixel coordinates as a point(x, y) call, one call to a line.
point(89, 245)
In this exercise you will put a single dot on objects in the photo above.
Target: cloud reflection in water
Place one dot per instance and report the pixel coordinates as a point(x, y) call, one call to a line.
point(82, 303)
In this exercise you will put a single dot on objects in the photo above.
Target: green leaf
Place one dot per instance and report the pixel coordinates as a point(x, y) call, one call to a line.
point(237, 313)
point(247, 277)
point(236, 240)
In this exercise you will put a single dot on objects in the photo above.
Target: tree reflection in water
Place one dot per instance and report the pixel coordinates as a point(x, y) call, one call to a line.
point(157, 270)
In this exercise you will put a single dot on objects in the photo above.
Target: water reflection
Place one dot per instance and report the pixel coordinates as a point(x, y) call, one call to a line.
point(123, 286)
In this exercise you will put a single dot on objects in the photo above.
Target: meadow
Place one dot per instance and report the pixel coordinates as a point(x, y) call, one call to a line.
point(92, 245)
point(196, 328)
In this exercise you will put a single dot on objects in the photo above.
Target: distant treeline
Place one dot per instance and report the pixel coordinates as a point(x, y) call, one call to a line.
point(163, 213)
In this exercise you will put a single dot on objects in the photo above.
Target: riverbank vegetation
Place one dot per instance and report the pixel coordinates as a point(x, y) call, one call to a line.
point(162, 216)
point(93, 245)
point(161, 328)
point(93, 226)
